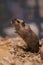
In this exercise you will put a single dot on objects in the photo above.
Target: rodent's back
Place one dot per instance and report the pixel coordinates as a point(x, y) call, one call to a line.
point(31, 39)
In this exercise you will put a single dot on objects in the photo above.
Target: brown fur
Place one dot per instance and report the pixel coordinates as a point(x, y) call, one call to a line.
point(27, 34)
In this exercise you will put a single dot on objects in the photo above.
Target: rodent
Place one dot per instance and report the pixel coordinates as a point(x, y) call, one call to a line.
point(24, 30)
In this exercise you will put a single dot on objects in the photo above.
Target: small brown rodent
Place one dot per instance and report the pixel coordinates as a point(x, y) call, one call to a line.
point(24, 30)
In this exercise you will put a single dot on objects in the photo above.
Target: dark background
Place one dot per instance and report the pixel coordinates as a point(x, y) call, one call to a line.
point(31, 11)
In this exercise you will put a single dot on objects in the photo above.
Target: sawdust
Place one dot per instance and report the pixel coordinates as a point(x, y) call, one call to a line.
point(12, 53)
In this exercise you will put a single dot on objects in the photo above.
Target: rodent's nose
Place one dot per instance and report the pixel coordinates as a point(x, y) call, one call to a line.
point(13, 21)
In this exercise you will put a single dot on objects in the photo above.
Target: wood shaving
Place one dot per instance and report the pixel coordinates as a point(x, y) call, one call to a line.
point(11, 53)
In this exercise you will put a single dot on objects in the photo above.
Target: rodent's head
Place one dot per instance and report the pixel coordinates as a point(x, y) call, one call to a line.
point(20, 25)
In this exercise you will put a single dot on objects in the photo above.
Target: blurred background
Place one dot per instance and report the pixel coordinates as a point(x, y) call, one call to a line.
point(31, 11)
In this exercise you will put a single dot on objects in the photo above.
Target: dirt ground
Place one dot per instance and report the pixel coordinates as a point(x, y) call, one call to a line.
point(12, 53)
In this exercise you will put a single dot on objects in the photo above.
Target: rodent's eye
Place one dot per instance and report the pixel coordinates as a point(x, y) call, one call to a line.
point(40, 45)
point(18, 22)
point(23, 24)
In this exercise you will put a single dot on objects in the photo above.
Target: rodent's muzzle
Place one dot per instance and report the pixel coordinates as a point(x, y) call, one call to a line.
point(13, 21)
